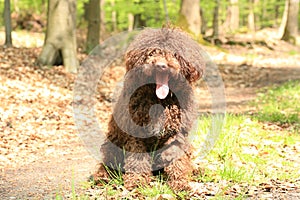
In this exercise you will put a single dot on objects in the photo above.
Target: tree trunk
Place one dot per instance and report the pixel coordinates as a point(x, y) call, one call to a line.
point(138, 22)
point(215, 35)
point(166, 11)
point(233, 16)
point(289, 25)
point(113, 17)
point(284, 19)
point(251, 16)
point(16, 7)
point(263, 12)
point(7, 21)
point(203, 22)
point(93, 15)
point(190, 15)
point(130, 21)
point(60, 42)
point(276, 14)
point(102, 19)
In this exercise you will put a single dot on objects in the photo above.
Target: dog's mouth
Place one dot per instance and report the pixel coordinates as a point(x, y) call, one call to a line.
point(162, 84)
point(162, 80)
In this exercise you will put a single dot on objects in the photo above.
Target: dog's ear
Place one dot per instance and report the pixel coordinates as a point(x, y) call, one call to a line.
point(129, 60)
point(134, 58)
point(192, 74)
point(195, 74)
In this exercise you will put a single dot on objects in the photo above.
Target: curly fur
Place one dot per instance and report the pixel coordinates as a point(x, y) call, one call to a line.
point(155, 138)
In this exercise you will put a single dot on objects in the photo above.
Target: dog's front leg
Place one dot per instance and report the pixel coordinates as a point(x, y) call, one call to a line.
point(177, 161)
point(179, 172)
point(137, 166)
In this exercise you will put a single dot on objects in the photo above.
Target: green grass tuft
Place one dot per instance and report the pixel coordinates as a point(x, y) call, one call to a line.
point(280, 105)
point(157, 188)
point(246, 151)
point(293, 52)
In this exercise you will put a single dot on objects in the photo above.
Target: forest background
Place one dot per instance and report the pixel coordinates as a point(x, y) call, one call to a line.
point(218, 17)
point(255, 44)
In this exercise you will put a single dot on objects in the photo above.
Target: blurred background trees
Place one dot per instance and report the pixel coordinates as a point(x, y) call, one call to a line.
point(98, 19)
point(92, 16)
point(7, 20)
point(60, 44)
point(190, 17)
point(121, 15)
point(289, 25)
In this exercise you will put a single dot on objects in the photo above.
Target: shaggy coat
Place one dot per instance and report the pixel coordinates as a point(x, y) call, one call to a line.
point(156, 109)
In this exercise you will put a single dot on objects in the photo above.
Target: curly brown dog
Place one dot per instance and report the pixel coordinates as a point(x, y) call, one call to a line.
point(155, 110)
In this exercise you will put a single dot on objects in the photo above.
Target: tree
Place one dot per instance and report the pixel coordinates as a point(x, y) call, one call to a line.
point(60, 42)
point(7, 21)
point(203, 22)
point(264, 13)
point(113, 17)
point(92, 13)
point(166, 11)
point(289, 24)
point(102, 19)
point(190, 15)
point(130, 21)
point(138, 20)
point(233, 16)
point(277, 16)
point(251, 16)
point(215, 35)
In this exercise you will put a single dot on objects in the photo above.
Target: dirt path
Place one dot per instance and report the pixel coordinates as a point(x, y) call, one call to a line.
point(40, 153)
point(48, 176)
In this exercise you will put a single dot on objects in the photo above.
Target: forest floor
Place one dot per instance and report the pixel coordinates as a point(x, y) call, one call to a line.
point(41, 154)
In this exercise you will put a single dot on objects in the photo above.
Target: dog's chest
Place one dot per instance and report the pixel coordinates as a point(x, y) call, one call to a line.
point(160, 118)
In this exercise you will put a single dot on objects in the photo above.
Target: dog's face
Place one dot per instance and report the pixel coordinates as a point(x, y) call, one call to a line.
point(163, 69)
point(165, 57)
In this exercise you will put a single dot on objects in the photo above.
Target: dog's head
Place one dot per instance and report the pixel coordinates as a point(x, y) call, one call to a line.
point(165, 55)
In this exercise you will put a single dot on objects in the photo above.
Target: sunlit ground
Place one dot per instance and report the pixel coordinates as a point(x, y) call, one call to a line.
point(24, 39)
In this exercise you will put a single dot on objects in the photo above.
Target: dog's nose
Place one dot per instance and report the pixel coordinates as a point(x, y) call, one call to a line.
point(161, 65)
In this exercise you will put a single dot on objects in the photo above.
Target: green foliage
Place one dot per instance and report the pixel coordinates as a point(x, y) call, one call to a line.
point(35, 6)
point(151, 11)
point(268, 13)
point(280, 105)
point(293, 52)
point(158, 187)
point(233, 173)
point(80, 11)
point(245, 152)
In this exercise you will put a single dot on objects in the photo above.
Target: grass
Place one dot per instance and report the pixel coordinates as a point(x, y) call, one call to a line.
point(245, 149)
point(157, 188)
point(280, 105)
point(251, 149)
point(293, 52)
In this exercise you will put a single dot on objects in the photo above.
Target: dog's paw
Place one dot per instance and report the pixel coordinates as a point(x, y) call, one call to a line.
point(132, 180)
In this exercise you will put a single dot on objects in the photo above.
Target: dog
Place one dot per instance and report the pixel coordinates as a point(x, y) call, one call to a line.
point(155, 111)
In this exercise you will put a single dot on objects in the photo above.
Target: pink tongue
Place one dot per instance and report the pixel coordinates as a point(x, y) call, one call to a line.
point(162, 88)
